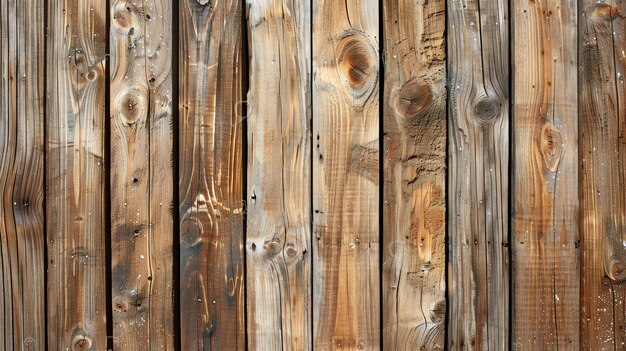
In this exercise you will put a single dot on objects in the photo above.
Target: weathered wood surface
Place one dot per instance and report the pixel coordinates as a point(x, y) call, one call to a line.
point(414, 254)
point(75, 188)
point(278, 242)
point(141, 175)
point(346, 175)
point(478, 184)
point(602, 43)
point(22, 266)
point(211, 176)
point(545, 173)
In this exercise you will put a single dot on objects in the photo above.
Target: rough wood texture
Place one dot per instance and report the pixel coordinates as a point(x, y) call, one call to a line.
point(75, 175)
point(346, 175)
point(22, 265)
point(141, 175)
point(414, 255)
point(211, 176)
point(545, 217)
point(478, 71)
point(602, 43)
point(279, 176)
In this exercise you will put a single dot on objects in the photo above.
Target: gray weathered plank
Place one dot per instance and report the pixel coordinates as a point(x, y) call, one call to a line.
point(478, 184)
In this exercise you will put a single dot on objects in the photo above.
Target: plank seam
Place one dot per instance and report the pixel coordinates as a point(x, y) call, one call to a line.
point(510, 175)
point(381, 170)
point(176, 263)
point(311, 165)
point(107, 183)
point(244, 159)
point(45, 169)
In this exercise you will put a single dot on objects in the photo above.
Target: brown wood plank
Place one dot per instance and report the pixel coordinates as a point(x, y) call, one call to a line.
point(22, 296)
point(211, 176)
point(545, 216)
point(279, 176)
point(602, 104)
point(141, 174)
point(76, 61)
point(345, 175)
point(478, 184)
point(414, 254)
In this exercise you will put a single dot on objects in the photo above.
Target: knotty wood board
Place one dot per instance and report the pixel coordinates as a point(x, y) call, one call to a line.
point(478, 182)
point(278, 242)
point(414, 255)
point(211, 176)
point(346, 175)
point(602, 103)
point(75, 166)
point(141, 175)
point(22, 266)
point(545, 172)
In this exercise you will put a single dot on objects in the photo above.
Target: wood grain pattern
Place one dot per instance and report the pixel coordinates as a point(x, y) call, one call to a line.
point(211, 176)
point(602, 104)
point(75, 189)
point(141, 175)
point(346, 175)
point(545, 217)
point(414, 254)
point(478, 184)
point(279, 176)
point(22, 265)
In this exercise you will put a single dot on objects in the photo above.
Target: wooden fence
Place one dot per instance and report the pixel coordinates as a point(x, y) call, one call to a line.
point(325, 174)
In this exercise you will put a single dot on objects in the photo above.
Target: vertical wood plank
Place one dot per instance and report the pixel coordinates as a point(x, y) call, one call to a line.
point(21, 175)
point(279, 176)
point(346, 175)
point(141, 174)
point(602, 43)
point(478, 67)
point(75, 175)
point(211, 176)
point(414, 254)
point(545, 217)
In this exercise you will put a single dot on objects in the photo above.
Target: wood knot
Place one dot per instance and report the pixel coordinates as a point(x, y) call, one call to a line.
point(551, 146)
point(356, 60)
point(616, 270)
point(357, 64)
point(292, 253)
point(131, 107)
point(130, 302)
point(271, 247)
point(486, 109)
point(81, 343)
point(122, 20)
point(412, 99)
point(120, 306)
point(337, 341)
